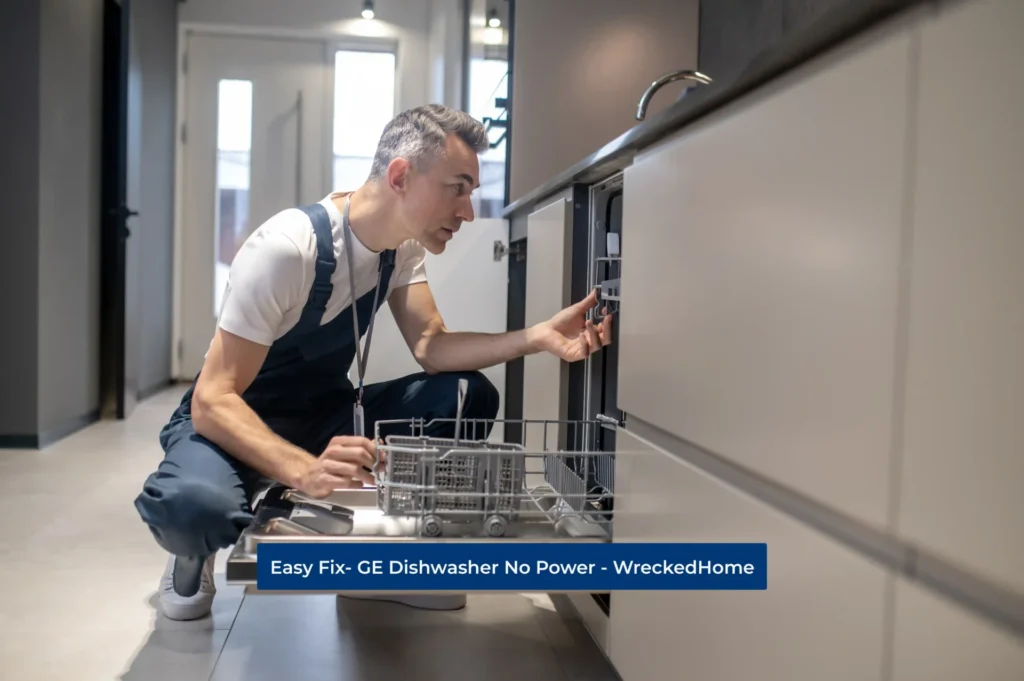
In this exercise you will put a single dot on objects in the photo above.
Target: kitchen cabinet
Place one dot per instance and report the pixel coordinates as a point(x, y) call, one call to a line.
point(548, 265)
point(963, 470)
point(821, 617)
point(934, 640)
point(762, 277)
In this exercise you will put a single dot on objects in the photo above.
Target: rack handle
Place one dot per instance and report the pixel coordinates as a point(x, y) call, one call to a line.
point(463, 390)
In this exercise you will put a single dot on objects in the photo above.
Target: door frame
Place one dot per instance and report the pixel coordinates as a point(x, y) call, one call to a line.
point(119, 328)
point(331, 42)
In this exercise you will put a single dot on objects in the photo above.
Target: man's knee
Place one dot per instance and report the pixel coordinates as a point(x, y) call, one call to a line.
point(190, 516)
point(482, 398)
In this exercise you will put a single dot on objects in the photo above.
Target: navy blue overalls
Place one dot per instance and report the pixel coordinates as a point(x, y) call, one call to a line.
point(199, 499)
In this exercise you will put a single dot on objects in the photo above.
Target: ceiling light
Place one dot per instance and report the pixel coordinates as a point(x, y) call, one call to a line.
point(492, 18)
point(368, 9)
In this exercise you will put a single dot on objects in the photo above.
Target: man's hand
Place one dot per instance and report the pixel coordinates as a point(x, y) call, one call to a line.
point(569, 335)
point(343, 465)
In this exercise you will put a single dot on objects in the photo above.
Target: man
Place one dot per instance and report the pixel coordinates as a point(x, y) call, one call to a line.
point(274, 401)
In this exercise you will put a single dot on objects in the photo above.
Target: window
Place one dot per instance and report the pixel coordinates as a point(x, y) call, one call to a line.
point(364, 102)
point(487, 84)
point(488, 81)
point(234, 145)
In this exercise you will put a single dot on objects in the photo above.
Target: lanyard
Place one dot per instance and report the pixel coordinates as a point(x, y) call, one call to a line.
point(361, 357)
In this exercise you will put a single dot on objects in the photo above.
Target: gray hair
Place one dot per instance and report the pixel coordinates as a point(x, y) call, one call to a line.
point(418, 135)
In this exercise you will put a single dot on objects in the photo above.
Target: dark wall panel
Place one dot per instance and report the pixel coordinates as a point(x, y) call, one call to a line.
point(19, 192)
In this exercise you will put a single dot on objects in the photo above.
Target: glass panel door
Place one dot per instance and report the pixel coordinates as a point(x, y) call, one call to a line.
point(364, 102)
point(255, 143)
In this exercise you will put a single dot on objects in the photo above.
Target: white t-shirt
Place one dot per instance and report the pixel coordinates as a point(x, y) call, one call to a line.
point(272, 274)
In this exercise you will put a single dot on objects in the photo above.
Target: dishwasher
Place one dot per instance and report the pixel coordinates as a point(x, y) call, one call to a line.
point(432, 489)
point(471, 488)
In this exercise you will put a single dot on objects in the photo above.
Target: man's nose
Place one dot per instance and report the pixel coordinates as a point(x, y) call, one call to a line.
point(465, 211)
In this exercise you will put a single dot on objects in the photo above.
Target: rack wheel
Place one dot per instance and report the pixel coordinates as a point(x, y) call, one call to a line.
point(432, 526)
point(496, 526)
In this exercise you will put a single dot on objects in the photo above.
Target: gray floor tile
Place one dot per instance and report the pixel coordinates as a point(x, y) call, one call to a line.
point(457, 653)
point(580, 657)
point(177, 655)
point(319, 638)
point(289, 637)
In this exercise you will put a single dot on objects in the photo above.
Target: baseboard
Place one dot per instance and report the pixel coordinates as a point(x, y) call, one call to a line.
point(19, 441)
point(47, 438)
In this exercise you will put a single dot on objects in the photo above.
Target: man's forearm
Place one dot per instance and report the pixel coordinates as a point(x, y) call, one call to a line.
point(229, 422)
point(469, 351)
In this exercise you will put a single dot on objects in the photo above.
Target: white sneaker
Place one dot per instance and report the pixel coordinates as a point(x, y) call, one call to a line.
point(192, 607)
point(423, 602)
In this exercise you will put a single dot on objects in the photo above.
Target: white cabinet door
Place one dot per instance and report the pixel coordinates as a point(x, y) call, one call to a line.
point(762, 279)
point(821, 617)
point(934, 640)
point(963, 466)
point(548, 252)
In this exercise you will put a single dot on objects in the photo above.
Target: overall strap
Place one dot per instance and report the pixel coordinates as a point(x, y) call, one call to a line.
point(387, 267)
point(320, 293)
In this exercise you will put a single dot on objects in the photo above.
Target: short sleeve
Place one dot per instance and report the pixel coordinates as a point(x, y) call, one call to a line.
point(412, 264)
point(266, 281)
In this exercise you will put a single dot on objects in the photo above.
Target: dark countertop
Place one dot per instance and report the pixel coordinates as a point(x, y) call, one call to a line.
point(833, 28)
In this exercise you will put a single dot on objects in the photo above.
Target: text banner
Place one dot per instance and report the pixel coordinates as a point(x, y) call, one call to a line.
point(500, 566)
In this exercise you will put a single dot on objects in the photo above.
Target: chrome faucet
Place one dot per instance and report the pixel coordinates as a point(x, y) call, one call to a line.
point(641, 109)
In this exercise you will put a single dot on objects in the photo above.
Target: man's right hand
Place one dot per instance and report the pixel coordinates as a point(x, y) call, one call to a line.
point(343, 465)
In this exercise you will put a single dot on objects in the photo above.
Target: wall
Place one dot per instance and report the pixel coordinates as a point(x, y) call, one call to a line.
point(580, 67)
point(406, 22)
point(19, 165)
point(69, 192)
point(156, 22)
point(734, 32)
point(50, 264)
point(445, 52)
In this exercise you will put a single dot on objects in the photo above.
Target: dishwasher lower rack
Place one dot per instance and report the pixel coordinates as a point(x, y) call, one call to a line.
point(435, 490)
point(472, 485)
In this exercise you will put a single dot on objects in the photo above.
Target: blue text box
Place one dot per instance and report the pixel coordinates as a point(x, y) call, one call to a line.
point(508, 566)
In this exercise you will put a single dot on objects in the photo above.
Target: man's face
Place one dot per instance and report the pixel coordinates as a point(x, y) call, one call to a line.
point(436, 199)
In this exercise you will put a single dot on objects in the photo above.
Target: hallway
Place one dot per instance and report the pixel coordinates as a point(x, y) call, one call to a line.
point(78, 578)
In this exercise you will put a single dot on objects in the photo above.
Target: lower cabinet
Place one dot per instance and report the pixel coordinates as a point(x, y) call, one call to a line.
point(760, 289)
point(548, 260)
point(820, 618)
point(935, 640)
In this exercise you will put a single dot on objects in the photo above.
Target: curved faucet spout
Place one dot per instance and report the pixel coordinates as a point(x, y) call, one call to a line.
point(696, 76)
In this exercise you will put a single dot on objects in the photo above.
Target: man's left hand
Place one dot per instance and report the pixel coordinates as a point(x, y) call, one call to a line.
point(569, 335)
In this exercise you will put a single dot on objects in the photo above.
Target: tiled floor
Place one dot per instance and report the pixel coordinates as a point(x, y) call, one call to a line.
point(78, 573)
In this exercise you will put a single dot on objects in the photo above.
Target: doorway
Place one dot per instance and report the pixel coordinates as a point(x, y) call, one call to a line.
point(253, 131)
point(261, 114)
point(120, 322)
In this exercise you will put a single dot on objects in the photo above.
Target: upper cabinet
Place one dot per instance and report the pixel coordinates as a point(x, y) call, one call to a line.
point(759, 310)
point(963, 463)
point(580, 69)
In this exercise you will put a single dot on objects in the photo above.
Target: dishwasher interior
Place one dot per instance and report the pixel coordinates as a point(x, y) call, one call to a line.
point(593, 384)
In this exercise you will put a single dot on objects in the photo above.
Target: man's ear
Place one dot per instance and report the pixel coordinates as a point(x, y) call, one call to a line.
point(398, 174)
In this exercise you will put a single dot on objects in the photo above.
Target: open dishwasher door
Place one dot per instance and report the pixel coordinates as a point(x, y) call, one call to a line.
point(432, 489)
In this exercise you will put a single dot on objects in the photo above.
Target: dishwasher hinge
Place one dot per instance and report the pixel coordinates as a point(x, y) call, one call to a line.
point(516, 249)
